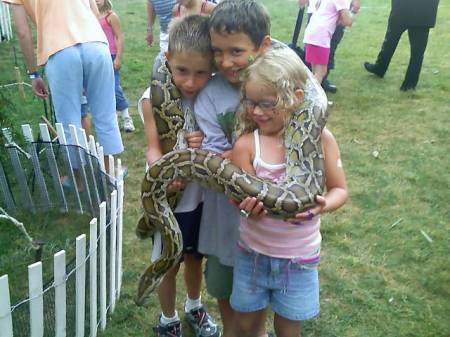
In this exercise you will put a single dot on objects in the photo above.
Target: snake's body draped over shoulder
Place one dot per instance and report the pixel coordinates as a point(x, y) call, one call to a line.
point(305, 177)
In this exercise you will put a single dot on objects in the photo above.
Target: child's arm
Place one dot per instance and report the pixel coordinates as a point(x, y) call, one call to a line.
point(114, 21)
point(150, 21)
point(242, 156)
point(336, 185)
point(345, 18)
point(243, 153)
point(153, 152)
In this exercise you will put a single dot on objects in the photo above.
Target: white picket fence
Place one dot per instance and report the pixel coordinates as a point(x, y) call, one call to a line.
point(95, 258)
point(5, 22)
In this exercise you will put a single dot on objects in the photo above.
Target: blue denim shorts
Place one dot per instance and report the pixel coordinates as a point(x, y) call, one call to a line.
point(259, 280)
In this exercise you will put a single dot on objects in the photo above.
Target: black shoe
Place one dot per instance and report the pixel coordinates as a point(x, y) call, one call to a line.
point(406, 87)
point(372, 68)
point(329, 87)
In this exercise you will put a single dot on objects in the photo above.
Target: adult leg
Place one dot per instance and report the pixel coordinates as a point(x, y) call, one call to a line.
point(285, 327)
point(393, 34)
point(99, 86)
point(65, 78)
point(418, 39)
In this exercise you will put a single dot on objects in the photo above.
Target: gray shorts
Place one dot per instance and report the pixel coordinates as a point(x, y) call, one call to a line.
point(219, 278)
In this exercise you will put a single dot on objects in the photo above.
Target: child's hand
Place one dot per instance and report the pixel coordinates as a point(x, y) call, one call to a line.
point(310, 213)
point(117, 63)
point(194, 139)
point(251, 207)
point(176, 185)
point(227, 154)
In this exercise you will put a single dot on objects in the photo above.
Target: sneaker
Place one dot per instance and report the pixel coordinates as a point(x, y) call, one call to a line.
point(202, 323)
point(168, 330)
point(128, 125)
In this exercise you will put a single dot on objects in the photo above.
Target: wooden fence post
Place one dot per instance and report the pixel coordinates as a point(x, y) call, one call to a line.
point(112, 251)
point(59, 266)
point(80, 282)
point(93, 276)
point(6, 327)
point(36, 299)
point(103, 265)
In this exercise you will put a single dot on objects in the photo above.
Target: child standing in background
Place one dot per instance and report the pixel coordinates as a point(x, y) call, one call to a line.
point(190, 7)
point(320, 29)
point(111, 26)
point(277, 260)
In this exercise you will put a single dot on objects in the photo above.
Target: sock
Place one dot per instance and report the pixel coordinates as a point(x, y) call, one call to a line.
point(192, 304)
point(124, 113)
point(167, 320)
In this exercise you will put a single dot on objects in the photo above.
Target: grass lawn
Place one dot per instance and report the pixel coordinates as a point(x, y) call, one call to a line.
point(385, 266)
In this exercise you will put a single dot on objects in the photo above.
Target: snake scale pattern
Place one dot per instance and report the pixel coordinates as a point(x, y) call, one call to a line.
point(305, 173)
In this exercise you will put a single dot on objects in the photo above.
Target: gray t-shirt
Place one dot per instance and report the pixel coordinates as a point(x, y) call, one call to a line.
point(215, 109)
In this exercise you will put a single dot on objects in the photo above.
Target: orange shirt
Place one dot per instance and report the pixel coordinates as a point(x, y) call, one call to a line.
point(61, 24)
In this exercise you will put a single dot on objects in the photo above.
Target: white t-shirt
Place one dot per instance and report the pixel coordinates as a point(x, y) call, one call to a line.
point(193, 193)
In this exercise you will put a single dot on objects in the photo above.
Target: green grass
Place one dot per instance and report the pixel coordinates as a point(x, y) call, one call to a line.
point(56, 231)
point(376, 279)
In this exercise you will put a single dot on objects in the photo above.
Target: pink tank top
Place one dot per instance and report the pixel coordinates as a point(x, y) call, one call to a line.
point(109, 34)
point(275, 237)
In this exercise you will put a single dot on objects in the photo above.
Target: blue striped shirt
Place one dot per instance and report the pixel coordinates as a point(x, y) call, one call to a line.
point(163, 9)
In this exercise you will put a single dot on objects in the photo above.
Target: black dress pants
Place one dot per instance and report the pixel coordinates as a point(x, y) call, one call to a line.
point(418, 39)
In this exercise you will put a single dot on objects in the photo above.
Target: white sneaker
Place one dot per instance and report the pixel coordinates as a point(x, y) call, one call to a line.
point(128, 125)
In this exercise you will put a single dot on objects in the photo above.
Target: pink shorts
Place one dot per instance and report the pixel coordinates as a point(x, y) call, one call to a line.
point(316, 54)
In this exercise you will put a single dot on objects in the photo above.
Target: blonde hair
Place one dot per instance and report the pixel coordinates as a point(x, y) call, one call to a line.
point(107, 6)
point(281, 69)
point(190, 33)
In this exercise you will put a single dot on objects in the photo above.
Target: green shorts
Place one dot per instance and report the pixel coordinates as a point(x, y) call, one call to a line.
point(219, 278)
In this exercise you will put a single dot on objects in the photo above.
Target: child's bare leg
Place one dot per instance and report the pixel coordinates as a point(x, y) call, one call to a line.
point(285, 327)
point(227, 314)
point(319, 71)
point(193, 275)
point(250, 324)
point(167, 292)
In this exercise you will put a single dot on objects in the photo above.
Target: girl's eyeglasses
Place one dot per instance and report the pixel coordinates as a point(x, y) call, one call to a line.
point(266, 106)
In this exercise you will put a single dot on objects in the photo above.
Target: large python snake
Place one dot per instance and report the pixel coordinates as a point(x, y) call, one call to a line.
point(305, 177)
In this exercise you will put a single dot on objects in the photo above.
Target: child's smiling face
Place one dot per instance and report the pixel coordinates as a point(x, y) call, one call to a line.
point(233, 52)
point(260, 103)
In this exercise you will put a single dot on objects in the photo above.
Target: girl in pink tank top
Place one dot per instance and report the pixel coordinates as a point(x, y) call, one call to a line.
point(192, 7)
point(277, 259)
point(110, 23)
